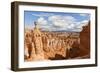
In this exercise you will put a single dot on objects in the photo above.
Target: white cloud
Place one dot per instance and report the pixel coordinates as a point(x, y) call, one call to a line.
point(35, 14)
point(83, 14)
point(43, 14)
point(77, 30)
point(61, 23)
point(41, 21)
point(82, 23)
point(29, 26)
point(69, 19)
point(71, 26)
point(85, 22)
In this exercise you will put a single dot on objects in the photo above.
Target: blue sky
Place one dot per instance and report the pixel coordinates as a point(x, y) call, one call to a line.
point(56, 21)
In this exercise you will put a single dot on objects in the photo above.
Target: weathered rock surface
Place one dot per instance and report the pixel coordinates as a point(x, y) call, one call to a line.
point(85, 40)
point(40, 45)
point(48, 45)
point(81, 49)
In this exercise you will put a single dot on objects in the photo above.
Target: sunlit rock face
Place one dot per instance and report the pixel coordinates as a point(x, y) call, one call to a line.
point(38, 45)
point(54, 47)
point(35, 46)
point(58, 44)
point(46, 45)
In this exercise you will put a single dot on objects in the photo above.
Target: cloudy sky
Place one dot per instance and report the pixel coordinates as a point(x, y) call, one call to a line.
point(56, 21)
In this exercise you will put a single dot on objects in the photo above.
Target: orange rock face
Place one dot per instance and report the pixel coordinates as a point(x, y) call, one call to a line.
point(45, 45)
point(48, 45)
point(85, 40)
point(82, 49)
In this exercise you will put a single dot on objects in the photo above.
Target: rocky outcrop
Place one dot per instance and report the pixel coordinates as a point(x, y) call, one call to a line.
point(81, 48)
point(34, 45)
point(49, 45)
point(75, 50)
point(40, 45)
point(85, 40)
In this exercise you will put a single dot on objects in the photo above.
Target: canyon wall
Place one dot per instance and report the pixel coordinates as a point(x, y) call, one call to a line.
point(85, 40)
point(82, 49)
point(45, 45)
point(41, 45)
